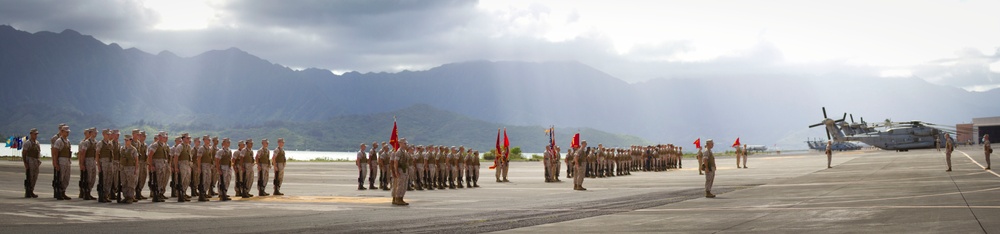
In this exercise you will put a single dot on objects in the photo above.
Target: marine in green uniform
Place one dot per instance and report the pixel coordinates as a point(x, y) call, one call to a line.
point(263, 167)
point(30, 155)
point(224, 162)
point(86, 154)
point(62, 164)
point(129, 162)
point(709, 168)
point(278, 160)
point(400, 164)
point(205, 162)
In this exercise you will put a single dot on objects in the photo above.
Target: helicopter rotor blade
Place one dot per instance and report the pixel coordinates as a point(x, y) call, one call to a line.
point(827, 133)
point(824, 113)
point(852, 118)
point(814, 125)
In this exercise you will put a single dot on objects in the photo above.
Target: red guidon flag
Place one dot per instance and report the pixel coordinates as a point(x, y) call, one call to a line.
point(575, 143)
point(697, 143)
point(497, 156)
point(737, 143)
point(394, 139)
point(506, 146)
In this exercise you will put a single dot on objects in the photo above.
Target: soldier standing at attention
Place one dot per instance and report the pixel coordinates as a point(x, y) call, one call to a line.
point(116, 156)
point(421, 162)
point(400, 164)
point(248, 170)
point(556, 163)
point(499, 168)
point(196, 153)
point(431, 172)
point(709, 168)
point(443, 169)
point(238, 168)
point(174, 173)
point(450, 166)
point(30, 154)
point(570, 166)
point(263, 166)
point(701, 162)
point(362, 163)
point(988, 148)
point(223, 162)
point(183, 168)
point(937, 142)
point(278, 160)
point(829, 154)
point(579, 162)
point(86, 154)
point(383, 167)
point(547, 163)
point(372, 165)
point(159, 153)
point(205, 163)
point(949, 146)
point(745, 154)
point(128, 162)
point(139, 143)
point(460, 163)
point(61, 162)
point(215, 170)
point(412, 182)
point(475, 169)
point(103, 156)
point(739, 154)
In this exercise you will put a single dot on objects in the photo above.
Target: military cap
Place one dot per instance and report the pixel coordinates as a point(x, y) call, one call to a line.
point(184, 135)
point(115, 131)
point(281, 139)
point(135, 131)
point(162, 133)
point(241, 142)
point(64, 128)
point(128, 137)
point(33, 131)
point(215, 138)
point(249, 140)
point(105, 131)
point(264, 140)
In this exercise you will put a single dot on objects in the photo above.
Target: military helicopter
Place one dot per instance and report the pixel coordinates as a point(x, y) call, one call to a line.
point(898, 136)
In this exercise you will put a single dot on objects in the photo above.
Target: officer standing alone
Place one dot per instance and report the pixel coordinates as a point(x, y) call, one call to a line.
point(709, 168)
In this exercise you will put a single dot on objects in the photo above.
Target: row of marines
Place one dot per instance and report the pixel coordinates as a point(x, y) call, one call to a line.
point(429, 167)
point(120, 171)
point(603, 162)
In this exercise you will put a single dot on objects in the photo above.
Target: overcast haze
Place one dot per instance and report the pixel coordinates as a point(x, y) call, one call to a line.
point(945, 42)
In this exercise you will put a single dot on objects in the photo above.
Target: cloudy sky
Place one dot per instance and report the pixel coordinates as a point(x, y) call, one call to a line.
point(953, 43)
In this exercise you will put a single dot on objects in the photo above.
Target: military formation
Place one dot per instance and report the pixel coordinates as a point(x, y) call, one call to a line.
point(408, 168)
point(601, 162)
point(122, 167)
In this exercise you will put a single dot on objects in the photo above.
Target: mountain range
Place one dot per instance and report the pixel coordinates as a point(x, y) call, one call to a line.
point(71, 77)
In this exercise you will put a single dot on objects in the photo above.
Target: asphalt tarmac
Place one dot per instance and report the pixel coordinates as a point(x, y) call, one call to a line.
point(865, 191)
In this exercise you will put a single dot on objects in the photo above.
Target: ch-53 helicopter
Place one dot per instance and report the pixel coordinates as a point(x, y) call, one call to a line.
point(898, 136)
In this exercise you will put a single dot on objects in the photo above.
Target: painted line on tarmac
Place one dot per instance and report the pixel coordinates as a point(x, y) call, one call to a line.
point(754, 208)
point(977, 163)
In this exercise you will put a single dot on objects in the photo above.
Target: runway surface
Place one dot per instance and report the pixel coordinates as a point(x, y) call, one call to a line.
point(869, 191)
